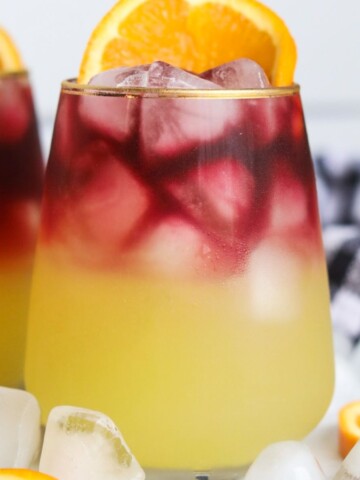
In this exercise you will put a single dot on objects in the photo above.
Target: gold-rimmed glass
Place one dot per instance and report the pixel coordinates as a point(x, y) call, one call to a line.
point(21, 171)
point(180, 283)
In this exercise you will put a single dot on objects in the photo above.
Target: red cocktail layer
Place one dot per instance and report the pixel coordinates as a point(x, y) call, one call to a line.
point(178, 186)
point(21, 169)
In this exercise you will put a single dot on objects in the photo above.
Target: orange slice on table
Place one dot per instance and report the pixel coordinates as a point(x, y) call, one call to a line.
point(10, 59)
point(22, 474)
point(349, 427)
point(192, 34)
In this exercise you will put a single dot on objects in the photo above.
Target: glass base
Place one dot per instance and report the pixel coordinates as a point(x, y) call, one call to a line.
point(221, 474)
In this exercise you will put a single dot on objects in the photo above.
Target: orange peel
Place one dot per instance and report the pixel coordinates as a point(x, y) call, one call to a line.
point(10, 59)
point(349, 427)
point(23, 474)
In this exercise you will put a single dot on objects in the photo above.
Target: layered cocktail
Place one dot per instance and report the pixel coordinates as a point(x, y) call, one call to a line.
point(20, 190)
point(180, 284)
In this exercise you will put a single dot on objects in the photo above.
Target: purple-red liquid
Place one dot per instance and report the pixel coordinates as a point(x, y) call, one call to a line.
point(21, 175)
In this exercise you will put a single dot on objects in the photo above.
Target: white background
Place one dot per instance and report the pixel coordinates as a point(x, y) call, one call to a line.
point(52, 35)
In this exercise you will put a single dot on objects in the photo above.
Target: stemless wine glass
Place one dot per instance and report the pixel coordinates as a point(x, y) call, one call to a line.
point(180, 283)
point(21, 171)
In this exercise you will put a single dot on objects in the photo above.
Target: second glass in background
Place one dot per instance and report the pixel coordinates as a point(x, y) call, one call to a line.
point(21, 175)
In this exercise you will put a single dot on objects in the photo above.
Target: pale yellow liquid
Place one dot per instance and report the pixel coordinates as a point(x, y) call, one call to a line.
point(192, 377)
point(14, 298)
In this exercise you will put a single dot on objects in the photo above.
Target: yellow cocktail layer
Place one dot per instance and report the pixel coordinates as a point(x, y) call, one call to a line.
point(14, 297)
point(196, 375)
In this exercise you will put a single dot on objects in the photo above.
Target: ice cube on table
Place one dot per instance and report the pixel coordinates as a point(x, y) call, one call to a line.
point(241, 73)
point(285, 461)
point(350, 467)
point(82, 444)
point(20, 428)
point(154, 75)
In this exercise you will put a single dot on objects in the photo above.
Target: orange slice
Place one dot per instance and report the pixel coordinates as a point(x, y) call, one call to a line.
point(349, 427)
point(22, 474)
point(10, 59)
point(192, 34)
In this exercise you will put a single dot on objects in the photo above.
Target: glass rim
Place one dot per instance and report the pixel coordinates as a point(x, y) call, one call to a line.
point(72, 87)
point(15, 74)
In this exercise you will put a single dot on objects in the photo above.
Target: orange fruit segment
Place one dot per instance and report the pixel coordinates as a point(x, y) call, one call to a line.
point(349, 427)
point(10, 59)
point(192, 34)
point(22, 474)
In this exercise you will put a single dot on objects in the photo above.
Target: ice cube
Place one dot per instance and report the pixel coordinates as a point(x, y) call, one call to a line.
point(241, 73)
point(285, 461)
point(288, 199)
point(82, 444)
point(171, 125)
point(154, 75)
point(15, 110)
point(18, 223)
point(350, 467)
point(274, 275)
point(122, 76)
point(113, 117)
point(269, 119)
point(166, 124)
point(20, 428)
point(177, 249)
point(102, 205)
point(218, 194)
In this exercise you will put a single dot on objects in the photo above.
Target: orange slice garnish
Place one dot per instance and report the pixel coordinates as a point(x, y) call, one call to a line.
point(22, 474)
point(192, 34)
point(349, 427)
point(10, 59)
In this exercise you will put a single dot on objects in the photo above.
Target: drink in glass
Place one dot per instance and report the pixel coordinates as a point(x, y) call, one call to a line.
point(21, 171)
point(180, 283)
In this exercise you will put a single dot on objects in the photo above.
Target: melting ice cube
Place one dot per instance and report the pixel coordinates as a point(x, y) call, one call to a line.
point(176, 248)
point(113, 117)
point(350, 467)
point(218, 194)
point(20, 428)
point(176, 124)
point(285, 461)
point(242, 73)
point(274, 276)
point(154, 75)
point(288, 200)
point(82, 444)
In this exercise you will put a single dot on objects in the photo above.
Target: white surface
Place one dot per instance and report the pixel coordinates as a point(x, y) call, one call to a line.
point(323, 441)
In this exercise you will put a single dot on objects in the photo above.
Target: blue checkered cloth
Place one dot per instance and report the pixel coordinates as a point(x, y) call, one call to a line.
point(338, 185)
